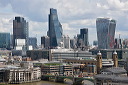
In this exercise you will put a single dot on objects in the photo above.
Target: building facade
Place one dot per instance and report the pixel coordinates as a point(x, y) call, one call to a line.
point(88, 65)
point(20, 75)
point(45, 42)
point(39, 54)
point(61, 54)
point(105, 32)
point(33, 42)
point(55, 31)
point(5, 40)
point(66, 42)
point(60, 70)
point(20, 30)
point(84, 36)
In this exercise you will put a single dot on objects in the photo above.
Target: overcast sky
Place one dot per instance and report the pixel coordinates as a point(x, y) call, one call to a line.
point(73, 15)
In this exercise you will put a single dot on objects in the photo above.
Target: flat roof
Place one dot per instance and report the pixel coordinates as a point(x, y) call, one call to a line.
point(112, 77)
point(115, 70)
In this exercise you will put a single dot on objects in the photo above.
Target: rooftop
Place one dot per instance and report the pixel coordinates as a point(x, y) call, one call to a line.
point(115, 70)
point(112, 77)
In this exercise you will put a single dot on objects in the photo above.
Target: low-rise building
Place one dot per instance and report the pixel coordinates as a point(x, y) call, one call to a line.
point(26, 59)
point(58, 54)
point(39, 54)
point(57, 69)
point(61, 54)
point(112, 76)
point(86, 65)
point(20, 75)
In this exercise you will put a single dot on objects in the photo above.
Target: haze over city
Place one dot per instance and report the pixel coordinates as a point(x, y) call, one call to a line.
point(73, 15)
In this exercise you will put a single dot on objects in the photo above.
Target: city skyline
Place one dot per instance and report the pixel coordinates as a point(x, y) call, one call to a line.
point(73, 16)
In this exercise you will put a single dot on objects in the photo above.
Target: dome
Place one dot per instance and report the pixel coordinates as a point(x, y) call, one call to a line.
point(115, 52)
point(99, 53)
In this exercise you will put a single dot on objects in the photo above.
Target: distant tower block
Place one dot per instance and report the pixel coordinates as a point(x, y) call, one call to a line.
point(99, 62)
point(105, 32)
point(115, 59)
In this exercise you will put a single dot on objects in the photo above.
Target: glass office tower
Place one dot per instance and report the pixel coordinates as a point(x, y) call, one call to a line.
point(33, 42)
point(105, 32)
point(84, 36)
point(20, 30)
point(55, 31)
point(5, 40)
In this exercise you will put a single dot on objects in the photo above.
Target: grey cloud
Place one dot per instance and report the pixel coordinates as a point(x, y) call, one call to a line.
point(38, 10)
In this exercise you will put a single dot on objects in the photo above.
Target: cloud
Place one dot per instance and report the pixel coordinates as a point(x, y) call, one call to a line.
point(123, 34)
point(73, 14)
point(38, 10)
point(5, 24)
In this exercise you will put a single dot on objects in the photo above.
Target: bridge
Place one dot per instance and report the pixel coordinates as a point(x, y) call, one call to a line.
point(76, 80)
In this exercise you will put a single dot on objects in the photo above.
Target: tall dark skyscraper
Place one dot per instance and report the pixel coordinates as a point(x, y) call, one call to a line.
point(84, 36)
point(105, 32)
point(55, 31)
point(20, 30)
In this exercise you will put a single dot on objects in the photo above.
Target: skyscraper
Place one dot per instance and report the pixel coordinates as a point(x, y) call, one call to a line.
point(118, 43)
point(33, 42)
point(5, 40)
point(66, 41)
point(84, 36)
point(20, 30)
point(55, 31)
point(105, 32)
point(45, 42)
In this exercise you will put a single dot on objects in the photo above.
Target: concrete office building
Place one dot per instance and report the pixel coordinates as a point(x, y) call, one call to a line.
point(84, 36)
point(45, 42)
point(95, 43)
point(58, 54)
point(20, 30)
point(61, 54)
point(59, 69)
point(66, 42)
point(87, 65)
point(112, 76)
point(5, 40)
point(55, 31)
point(105, 32)
point(33, 42)
point(20, 44)
point(39, 54)
point(72, 43)
point(20, 75)
point(107, 53)
point(118, 43)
